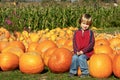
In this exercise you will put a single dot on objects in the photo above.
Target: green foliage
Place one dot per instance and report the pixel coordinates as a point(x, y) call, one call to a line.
point(51, 15)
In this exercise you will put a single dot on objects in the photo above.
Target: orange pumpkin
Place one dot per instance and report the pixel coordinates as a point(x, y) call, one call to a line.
point(48, 54)
point(15, 50)
point(44, 45)
point(114, 42)
point(60, 42)
point(68, 47)
point(17, 44)
point(116, 65)
point(102, 42)
point(69, 42)
point(31, 63)
point(60, 61)
point(3, 44)
point(32, 46)
point(103, 49)
point(79, 71)
point(100, 66)
point(9, 61)
point(111, 56)
point(116, 49)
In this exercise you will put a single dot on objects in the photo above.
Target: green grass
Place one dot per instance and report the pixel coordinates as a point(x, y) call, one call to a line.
point(45, 75)
point(110, 30)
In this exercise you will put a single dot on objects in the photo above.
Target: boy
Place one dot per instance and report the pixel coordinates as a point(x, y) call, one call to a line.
point(83, 43)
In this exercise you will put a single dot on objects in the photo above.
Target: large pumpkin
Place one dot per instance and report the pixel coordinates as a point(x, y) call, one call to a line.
point(116, 65)
point(47, 54)
point(60, 61)
point(31, 63)
point(103, 49)
point(102, 42)
point(12, 49)
point(100, 66)
point(9, 61)
point(17, 44)
point(44, 45)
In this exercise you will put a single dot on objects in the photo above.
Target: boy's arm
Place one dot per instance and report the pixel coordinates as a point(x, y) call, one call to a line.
point(74, 44)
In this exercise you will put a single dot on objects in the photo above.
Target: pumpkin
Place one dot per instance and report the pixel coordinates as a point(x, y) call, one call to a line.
point(48, 54)
point(13, 49)
point(17, 44)
point(102, 42)
point(114, 42)
point(68, 47)
point(8, 61)
point(116, 49)
point(34, 37)
point(4, 33)
point(44, 45)
point(31, 63)
point(100, 66)
point(79, 71)
point(60, 60)
point(116, 65)
point(32, 46)
point(3, 44)
point(103, 49)
point(60, 42)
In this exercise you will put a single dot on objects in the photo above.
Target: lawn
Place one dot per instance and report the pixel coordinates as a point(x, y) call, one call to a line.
point(46, 75)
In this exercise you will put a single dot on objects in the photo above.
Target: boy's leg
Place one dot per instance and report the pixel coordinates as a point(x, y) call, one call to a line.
point(83, 64)
point(74, 64)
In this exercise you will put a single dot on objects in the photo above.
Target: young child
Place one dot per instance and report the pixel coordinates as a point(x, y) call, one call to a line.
point(83, 43)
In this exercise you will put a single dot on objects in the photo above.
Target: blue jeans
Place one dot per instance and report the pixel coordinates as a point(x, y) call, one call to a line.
point(79, 61)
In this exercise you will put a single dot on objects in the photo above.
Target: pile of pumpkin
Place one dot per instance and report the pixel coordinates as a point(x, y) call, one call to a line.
point(31, 52)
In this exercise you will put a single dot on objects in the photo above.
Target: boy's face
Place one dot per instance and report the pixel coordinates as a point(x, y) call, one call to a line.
point(84, 25)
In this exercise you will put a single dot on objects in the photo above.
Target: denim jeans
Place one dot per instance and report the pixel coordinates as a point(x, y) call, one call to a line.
point(79, 61)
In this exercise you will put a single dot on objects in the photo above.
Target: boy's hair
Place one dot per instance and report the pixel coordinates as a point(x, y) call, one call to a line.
point(86, 18)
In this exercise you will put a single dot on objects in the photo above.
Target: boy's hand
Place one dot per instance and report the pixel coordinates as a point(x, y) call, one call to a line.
point(79, 53)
